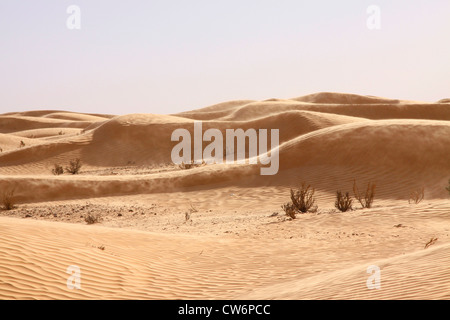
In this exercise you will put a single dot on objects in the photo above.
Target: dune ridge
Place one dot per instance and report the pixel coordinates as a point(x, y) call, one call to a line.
point(217, 231)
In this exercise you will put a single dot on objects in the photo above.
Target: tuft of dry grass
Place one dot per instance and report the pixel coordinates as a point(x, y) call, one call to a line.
point(289, 209)
point(343, 202)
point(186, 166)
point(417, 196)
point(365, 200)
point(92, 218)
point(303, 199)
point(431, 242)
point(74, 166)
point(187, 214)
point(8, 200)
point(57, 170)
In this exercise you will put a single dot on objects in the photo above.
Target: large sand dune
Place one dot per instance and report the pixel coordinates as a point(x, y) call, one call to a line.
point(327, 140)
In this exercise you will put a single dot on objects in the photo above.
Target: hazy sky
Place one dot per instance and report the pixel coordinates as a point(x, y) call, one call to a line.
point(170, 56)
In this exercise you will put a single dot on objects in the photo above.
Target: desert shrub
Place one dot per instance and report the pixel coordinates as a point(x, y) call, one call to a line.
point(431, 242)
point(92, 218)
point(8, 200)
point(343, 202)
point(366, 200)
point(57, 170)
point(22, 144)
point(289, 209)
point(417, 196)
point(74, 166)
point(186, 166)
point(303, 199)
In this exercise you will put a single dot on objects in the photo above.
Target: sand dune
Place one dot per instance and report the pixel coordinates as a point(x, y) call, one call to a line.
point(311, 258)
point(326, 139)
point(344, 98)
point(403, 277)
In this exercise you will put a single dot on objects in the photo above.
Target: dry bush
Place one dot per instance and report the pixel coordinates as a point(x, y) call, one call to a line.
point(343, 202)
point(57, 170)
point(187, 214)
point(367, 200)
point(186, 166)
point(74, 166)
point(303, 199)
point(417, 196)
point(22, 144)
point(289, 209)
point(92, 218)
point(431, 242)
point(8, 200)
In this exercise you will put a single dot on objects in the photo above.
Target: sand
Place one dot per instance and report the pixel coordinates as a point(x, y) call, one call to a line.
point(218, 231)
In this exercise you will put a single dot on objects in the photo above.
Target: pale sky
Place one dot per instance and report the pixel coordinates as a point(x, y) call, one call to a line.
point(171, 56)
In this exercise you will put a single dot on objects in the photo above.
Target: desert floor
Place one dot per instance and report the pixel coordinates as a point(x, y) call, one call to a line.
point(217, 231)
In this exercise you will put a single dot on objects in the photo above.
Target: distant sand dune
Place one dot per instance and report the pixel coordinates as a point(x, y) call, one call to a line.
point(240, 244)
point(401, 153)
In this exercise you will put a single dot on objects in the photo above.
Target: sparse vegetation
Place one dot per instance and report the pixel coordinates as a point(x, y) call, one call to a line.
point(431, 242)
point(92, 218)
point(74, 167)
point(8, 200)
point(303, 199)
point(57, 170)
point(417, 196)
point(186, 166)
point(289, 208)
point(22, 144)
point(366, 200)
point(448, 188)
point(192, 209)
point(343, 202)
point(187, 215)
